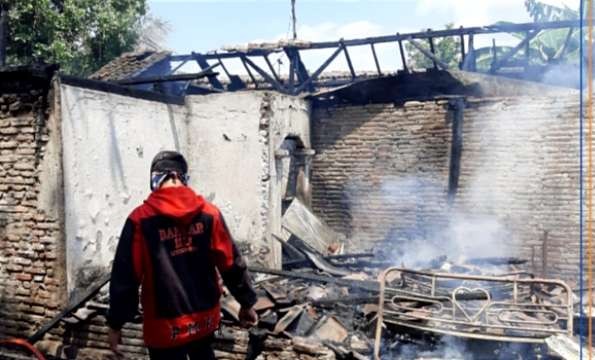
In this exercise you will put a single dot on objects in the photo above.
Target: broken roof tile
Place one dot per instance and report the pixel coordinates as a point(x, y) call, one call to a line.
point(128, 65)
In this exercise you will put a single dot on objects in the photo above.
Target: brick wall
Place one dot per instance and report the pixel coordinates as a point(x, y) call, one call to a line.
point(381, 173)
point(31, 262)
point(379, 167)
point(520, 164)
point(32, 244)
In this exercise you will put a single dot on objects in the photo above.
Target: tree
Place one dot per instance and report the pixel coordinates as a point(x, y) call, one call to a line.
point(80, 35)
point(552, 45)
point(153, 34)
point(548, 47)
point(447, 50)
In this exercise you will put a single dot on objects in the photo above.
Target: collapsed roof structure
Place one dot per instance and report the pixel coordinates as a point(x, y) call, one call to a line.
point(516, 62)
point(465, 180)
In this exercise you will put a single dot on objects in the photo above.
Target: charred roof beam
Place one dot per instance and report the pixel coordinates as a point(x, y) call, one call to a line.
point(301, 80)
point(168, 78)
point(496, 65)
point(501, 28)
point(428, 54)
point(318, 71)
point(376, 59)
point(349, 64)
point(270, 79)
point(244, 62)
point(202, 62)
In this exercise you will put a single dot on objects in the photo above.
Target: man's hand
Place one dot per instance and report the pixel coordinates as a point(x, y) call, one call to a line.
point(114, 337)
point(248, 317)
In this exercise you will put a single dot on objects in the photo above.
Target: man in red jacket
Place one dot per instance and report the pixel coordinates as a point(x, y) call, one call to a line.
point(175, 246)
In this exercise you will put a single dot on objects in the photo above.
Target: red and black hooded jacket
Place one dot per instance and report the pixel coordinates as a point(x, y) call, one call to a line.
point(173, 246)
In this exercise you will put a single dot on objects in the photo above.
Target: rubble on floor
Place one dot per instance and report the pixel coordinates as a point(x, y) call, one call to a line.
point(307, 313)
point(339, 314)
point(325, 304)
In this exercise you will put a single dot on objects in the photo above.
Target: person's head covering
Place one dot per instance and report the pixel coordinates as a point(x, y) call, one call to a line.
point(168, 164)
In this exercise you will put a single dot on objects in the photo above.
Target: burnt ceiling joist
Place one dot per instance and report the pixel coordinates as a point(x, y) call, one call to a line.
point(300, 79)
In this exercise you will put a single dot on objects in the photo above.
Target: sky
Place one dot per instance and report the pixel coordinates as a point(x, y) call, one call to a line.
point(204, 25)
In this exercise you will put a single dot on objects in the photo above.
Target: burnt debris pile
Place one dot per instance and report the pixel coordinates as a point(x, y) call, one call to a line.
point(325, 304)
point(308, 313)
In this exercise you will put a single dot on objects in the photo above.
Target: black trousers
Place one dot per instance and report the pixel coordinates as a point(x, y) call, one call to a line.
point(196, 350)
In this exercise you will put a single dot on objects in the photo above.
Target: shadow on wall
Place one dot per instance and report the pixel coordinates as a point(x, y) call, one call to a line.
point(172, 124)
point(117, 166)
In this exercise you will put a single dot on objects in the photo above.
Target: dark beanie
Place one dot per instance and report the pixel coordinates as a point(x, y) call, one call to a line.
point(166, 161)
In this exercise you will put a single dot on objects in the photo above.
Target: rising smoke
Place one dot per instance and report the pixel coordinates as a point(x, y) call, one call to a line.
point(505, 159)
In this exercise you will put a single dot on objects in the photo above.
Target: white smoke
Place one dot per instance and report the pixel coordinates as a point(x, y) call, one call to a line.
point(505, 160)
point(457, 234)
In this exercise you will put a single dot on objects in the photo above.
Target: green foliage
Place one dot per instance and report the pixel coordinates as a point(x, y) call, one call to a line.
point(80, 35)
point(541, 12)
point(547, 47)
point(447, 49)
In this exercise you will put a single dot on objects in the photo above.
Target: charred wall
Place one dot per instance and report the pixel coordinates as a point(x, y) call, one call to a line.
point(381, 176)
point(520, 166)
point(365, 156)
point(31, 254)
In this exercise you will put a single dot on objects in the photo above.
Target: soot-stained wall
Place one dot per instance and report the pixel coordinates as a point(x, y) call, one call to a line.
point(229, 139)
point(381, 174)
point(32, 275)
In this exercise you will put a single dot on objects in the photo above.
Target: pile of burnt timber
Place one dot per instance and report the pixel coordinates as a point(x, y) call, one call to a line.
point(342, 316)
point(325, 304)
point(329, 305)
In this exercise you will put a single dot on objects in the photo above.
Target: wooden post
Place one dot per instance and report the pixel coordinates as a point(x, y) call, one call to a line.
point(494, 56)
point(471, 60)
point(456, 148)
point(433, 51)
point(462, 40)
point(544, 246)
point(403, 59)
point(527, 49)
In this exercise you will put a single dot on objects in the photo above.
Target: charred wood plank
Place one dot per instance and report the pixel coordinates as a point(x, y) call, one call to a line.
point(348, 58)
point(359, 284)
point(560, 54)
point(271, 68)
point(329, 258)
point(429, 55)
point(204, 65)
point(497, 261)
point(166, 78)
point(498, 63)
point(243, 59)
point(322, 265)
point(318, 71)
point(462, 44)
point(376, 59)
point(78, 301)
point(293, 54)
point(433, 50)
point(351, 299)
point(403, 58)
point(266, 76)
point(470, 63)
point(491, 29)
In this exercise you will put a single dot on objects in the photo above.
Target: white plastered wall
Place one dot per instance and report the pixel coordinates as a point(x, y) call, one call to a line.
point(229, 140)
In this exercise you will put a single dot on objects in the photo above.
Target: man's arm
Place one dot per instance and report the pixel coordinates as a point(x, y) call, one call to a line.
point(124, 283)
point(231, 265)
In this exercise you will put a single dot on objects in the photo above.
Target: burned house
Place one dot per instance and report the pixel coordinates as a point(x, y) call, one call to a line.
point(447, 170)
